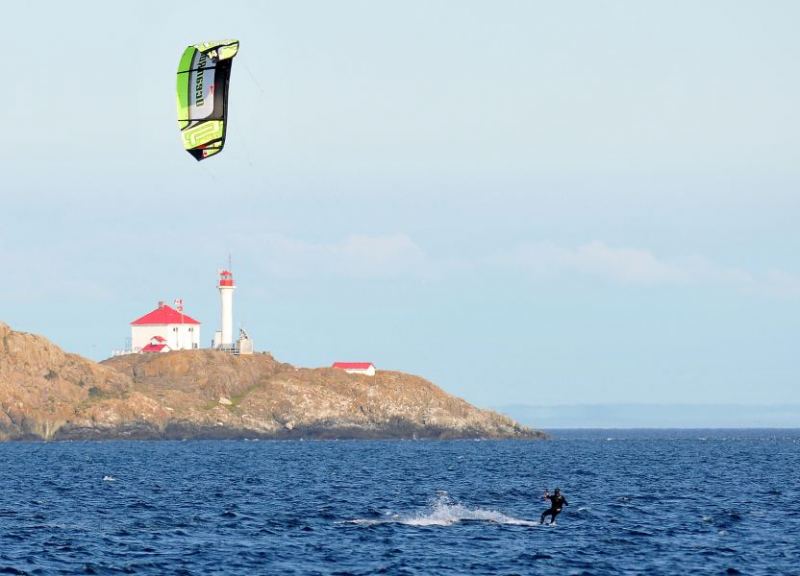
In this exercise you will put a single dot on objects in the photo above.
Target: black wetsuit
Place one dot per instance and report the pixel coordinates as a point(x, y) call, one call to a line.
point(557, 502)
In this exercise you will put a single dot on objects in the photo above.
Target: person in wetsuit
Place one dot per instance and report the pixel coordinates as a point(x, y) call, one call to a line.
point(557, 502)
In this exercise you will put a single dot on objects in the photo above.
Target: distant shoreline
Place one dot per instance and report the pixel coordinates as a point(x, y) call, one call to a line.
point(655, 416)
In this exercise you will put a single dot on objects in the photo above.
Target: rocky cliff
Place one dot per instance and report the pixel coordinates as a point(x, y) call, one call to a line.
point(48, 394)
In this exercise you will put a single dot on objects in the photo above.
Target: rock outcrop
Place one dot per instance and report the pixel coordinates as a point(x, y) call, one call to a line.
point(48, 394)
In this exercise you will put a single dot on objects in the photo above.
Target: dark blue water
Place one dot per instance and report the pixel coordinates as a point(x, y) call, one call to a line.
point(701, 502)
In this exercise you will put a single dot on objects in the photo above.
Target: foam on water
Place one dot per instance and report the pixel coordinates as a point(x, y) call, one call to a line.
point(444, 511)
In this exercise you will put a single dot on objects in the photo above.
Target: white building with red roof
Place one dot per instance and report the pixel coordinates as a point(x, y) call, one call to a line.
point(366, 368)
point(164, 329)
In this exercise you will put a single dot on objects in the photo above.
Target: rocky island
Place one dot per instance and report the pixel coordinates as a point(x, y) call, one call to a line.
point(48, 394)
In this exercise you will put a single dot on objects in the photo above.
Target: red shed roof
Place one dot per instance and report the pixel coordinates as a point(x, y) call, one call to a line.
point(164, 315)
point(352, 365)
point(154, 348)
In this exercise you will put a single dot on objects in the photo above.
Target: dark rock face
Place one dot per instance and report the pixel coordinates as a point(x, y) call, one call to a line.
point(50, 395)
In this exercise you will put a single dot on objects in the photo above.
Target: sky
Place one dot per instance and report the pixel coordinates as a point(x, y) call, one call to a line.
point(525, 202)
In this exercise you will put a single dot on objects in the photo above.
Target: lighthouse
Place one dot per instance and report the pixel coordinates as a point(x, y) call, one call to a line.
point(224, 337)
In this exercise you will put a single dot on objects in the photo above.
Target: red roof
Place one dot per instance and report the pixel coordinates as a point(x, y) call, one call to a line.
point(352, 365)
point(154, 348)
point(158, 339)
point(164, 315)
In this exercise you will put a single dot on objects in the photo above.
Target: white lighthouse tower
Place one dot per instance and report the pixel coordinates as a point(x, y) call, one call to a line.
point(224, 337)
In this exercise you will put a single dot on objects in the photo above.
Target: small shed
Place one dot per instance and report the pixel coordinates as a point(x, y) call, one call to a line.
point(156, 344)
point(366, 368)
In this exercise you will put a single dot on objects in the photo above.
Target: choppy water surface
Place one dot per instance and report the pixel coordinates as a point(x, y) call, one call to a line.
point(710, 502)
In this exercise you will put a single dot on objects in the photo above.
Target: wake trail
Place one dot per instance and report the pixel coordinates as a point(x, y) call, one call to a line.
point(445, 512)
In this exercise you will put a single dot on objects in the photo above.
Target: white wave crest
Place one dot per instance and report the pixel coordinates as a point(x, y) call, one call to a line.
point(109, 479)
point(445, 512)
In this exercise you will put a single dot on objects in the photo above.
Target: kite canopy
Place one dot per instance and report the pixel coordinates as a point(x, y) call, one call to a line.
point(203, 76)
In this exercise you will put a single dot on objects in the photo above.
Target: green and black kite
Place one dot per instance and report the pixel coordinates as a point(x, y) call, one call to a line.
point(203, 76)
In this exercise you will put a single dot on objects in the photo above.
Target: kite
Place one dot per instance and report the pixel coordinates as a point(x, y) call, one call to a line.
point(203, 76)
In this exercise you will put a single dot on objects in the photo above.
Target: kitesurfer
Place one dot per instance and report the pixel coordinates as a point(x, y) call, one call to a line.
point(557, 502)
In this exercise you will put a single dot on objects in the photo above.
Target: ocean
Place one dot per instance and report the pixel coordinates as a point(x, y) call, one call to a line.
point(640, 502)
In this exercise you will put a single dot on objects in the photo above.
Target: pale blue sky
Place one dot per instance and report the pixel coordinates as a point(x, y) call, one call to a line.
point(526, 202)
